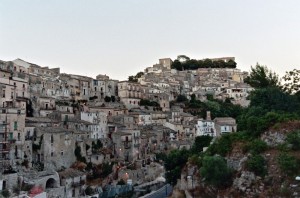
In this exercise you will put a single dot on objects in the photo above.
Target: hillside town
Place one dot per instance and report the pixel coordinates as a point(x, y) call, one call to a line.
point(67, 135)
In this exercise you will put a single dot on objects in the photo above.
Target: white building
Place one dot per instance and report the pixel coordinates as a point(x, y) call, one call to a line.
point(205, 127)
point(98, 120)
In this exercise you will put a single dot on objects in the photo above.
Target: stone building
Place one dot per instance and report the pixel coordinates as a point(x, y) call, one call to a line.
point(102, 87)
point(45, 105)
point(73, 180)
point(54, 147)
point(98, 126)
point(225, 125)
point(126, 144)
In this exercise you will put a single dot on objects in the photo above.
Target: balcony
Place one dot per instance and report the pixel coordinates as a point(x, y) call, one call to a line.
point(4, 150)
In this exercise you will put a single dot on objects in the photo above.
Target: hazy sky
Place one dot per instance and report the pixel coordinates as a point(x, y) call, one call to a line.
point(122, 37)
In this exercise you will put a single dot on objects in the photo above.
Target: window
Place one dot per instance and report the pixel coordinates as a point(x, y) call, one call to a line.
point(51, 139)
point(52, 154)
point(3, 93)
point(15, 126)
point(61, 153)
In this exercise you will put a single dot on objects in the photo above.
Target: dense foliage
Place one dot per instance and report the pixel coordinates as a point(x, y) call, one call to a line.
point(145, 102)
point(200, 143)
point(185, 63)
point(218, 108)
point(174, 162)
point(294, 140)
point(215, 171)
point(256, 146)
point(261, 77)
point(288, 164)
point(257, 164)
point(292, 81)
point(135, 78)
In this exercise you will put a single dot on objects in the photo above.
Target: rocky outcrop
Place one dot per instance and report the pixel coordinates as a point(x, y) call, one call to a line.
point(245, 181)
point(236, 162)
point(273, 139)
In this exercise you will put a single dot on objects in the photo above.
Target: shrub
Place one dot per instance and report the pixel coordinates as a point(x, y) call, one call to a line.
point(181, 98)
point(294, 139)
point(200, 142)
point(215, 171)
point(221, 146)
point(288, 163)
point(256, 146)
point(5, 193)
point(284, 147)
point(257, 164)
point(174, 162)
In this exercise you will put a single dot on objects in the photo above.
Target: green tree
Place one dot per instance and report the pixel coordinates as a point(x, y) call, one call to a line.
point(292, 81)
point(261, 77)
point(256, 146)
point(107, 99)
point(174, 162)
point(208, 63)
point(132, 79)
point(177, 65)
point(215, 171)
point(181, 98)
point(183, 58)
point(222, 145)
point(96, 146)
point(200, 142)
point(231, 64)
point(135, 78)
point(257, 164)
point(273, 99)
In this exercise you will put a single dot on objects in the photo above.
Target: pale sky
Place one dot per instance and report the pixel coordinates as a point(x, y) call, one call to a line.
point(122, 37)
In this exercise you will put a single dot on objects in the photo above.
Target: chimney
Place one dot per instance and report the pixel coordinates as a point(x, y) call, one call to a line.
point(208, 117)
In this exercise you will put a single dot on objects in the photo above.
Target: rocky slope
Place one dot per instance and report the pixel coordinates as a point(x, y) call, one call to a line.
point(245, 183)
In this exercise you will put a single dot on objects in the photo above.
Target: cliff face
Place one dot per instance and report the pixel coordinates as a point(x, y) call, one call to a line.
point(281, 165)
